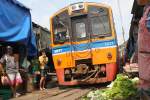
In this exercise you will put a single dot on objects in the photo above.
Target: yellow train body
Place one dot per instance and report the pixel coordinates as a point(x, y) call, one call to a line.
point(97, 51)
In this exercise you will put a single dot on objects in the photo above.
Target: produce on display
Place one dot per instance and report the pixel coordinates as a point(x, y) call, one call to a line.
point(123, 88)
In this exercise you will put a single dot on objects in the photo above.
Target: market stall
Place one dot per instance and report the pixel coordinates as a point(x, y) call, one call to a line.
point(16, 31)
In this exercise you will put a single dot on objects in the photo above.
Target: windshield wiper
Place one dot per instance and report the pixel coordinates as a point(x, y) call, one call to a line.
point(102, 36)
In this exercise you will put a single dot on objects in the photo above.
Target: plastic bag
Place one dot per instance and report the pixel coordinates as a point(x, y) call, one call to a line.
point(5, 80)
point(18, 78)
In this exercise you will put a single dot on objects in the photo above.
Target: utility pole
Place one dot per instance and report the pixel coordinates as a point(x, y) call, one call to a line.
point(123, 32)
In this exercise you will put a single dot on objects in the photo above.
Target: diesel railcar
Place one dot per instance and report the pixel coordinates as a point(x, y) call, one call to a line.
point(84, 44)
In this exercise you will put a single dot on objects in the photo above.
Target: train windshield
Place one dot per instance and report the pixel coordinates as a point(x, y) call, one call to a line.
point(99, 19)
point(80, 28)
point(61, 28)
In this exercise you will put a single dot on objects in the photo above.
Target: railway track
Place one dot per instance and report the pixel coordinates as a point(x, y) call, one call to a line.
point(71, 93)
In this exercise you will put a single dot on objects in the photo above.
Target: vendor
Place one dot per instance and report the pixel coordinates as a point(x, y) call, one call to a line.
point(9, 65)
point(144, 51)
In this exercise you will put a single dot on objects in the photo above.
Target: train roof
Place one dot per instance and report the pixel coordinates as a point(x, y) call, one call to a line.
point(96, 3)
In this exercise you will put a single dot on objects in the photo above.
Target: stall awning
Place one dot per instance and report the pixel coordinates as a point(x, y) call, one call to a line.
point(15, 24)
point(143, 2)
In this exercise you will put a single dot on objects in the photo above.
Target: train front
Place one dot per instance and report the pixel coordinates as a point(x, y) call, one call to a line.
point(84, 44)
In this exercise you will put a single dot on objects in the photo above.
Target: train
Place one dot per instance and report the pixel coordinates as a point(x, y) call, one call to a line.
point(84, 44)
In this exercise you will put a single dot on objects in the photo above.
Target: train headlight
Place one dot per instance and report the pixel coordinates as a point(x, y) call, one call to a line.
point(109, 55)
point(103, 68)
point(78, 6)
point(59, 61)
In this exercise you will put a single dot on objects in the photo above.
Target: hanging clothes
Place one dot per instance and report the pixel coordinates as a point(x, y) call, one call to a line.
point(144, 49)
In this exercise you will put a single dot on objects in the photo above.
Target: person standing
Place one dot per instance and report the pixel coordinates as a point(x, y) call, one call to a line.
point(43, 59)
point(144, 53)
point(10, 65)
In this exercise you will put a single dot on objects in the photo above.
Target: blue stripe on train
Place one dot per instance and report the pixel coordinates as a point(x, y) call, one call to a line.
point(84, 46)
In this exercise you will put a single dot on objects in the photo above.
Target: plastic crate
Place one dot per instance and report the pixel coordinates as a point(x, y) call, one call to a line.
point(5, 93)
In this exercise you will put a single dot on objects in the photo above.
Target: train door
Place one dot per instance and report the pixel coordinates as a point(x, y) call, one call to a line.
point(81, 38)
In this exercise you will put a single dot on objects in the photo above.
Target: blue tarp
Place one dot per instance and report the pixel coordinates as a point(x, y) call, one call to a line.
point(15, 25)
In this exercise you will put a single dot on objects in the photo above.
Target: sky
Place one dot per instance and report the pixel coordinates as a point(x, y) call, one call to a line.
point(41, 10)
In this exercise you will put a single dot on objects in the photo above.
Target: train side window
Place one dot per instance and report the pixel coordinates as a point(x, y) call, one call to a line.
point(61, 28)
point(80, 30)
point(61, 31)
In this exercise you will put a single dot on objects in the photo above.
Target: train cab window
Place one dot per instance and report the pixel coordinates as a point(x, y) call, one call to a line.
point(61, 28)
point(99, 19)
point(80, 30)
